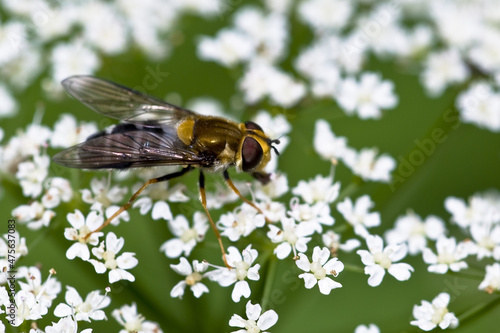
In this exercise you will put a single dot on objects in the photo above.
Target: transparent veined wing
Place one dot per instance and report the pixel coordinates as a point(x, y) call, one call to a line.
point(130, 149)
point(119, 102)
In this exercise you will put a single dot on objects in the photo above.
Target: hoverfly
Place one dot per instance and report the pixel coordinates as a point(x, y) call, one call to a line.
point(154, 133)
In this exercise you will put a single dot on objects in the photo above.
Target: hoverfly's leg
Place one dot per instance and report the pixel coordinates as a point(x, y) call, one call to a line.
point(231, 185)
point(136, 194)
point(216, 231)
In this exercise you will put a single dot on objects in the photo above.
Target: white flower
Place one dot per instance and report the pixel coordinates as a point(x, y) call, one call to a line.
point(72, 58)
point(240, 223)
point(319, 189)
point(81, 228)
point(241, 269)
point(368, 166)
point(133, 322)
point(45, 292)
point(314, 216)
point(372, 328)
point(325, 14)
point(8, 105)
point(263, 79)
point(272, 190)
point(64, 325)
point(410, 228)
point(331, 240)
point(326, 144)
point(428, 315)
point(449, 256)
point(483, 54)
point(31, 175)
point(256, 321)
point(318, 270)
point(186, 237)
point(34, 215)
point(292, 237)
point(193, 278)
point(491, 282)
point(87, 310)
point(481, 208)
point(228, 48)
point(379, 259)
point(27, 308)
point(160, 209)
point(367, 97)
point(103, 197)
point(486, 239)
point(107, 252)
point(67, 131)
point(479, 105)
point(442, 69)
point(58, 189)
point(358, 214)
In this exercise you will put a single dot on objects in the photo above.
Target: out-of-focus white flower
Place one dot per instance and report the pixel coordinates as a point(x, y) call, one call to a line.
point(442, 69)
point(331, 240)
point(241, 270)
point(484, 54)
point(8, 105)
point(87, 310)
point(414, 231)
point(186, 237)
point(117, 265)
point(372, 328)
point(368, 165)
point(72, 58)
point(228, 48)
point(325, 14)
point(103, 27)
point(491, 282)
point(102, 197)
point(31, 175)
point(368, 97)
point(34, 215)
point(240, 223)
point(132, 321)
point(486, 239)
point(449, 256)
point(262, 79)
point(429, 315)
point(358, 214)
point(193, 275)
point(379, 259)
point(314, 216)
point(256, 321)
point(67, 131)
point(481, 208)
point(479, 105)
point(317, 271)
point(326, 143)
point(318, 189)
point(58, 189)
point(272, 190)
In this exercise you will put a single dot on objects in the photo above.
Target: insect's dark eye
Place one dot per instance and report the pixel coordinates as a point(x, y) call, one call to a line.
point(251, 153)
point(253, 126)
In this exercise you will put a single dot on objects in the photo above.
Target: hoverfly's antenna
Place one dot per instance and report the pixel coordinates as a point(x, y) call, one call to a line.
point(276, 141)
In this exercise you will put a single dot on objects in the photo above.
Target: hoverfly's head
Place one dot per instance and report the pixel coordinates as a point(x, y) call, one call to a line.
point(255, 148)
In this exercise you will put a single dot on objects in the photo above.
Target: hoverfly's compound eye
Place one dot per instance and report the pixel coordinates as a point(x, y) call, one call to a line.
point(251, 154)
point(253, 126)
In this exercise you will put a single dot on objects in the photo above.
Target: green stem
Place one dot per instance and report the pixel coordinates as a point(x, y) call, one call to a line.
point(354, 268)
point(270, 277)
point(476, 310)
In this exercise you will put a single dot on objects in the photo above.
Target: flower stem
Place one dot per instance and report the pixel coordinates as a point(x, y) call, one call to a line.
point(478, 310)
point(268, 286)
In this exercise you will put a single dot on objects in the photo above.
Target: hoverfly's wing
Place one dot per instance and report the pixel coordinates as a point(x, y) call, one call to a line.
point(116, 101)
point(129, 149)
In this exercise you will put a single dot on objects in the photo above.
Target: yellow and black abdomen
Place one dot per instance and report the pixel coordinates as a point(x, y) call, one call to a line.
point(216, 139)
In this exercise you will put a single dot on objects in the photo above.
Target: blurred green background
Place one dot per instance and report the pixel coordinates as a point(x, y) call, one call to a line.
point(467, 161)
